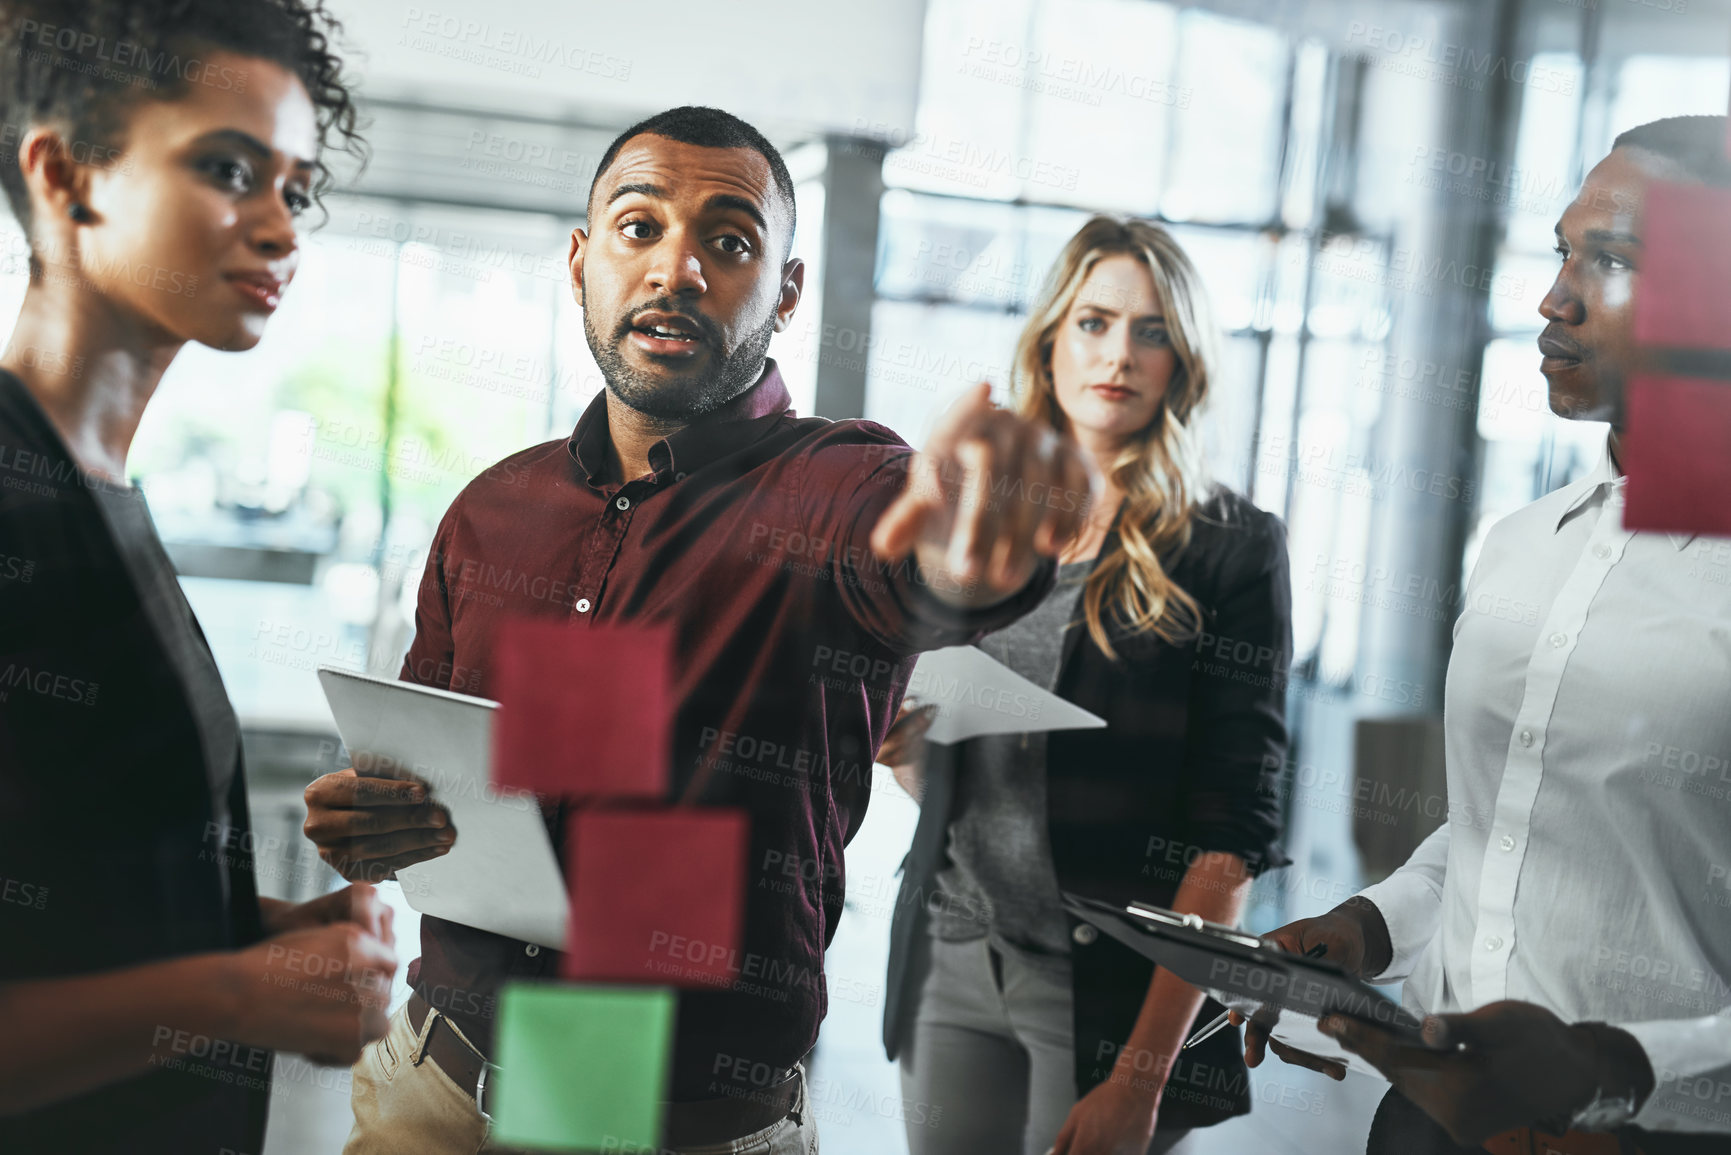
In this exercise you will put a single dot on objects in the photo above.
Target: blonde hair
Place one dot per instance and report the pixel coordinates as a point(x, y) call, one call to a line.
point(1160, 469)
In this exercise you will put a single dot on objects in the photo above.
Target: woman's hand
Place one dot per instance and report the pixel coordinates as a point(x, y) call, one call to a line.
point(321, 992)
point(904, 748)
point(1115, 1118)
point(1353, 936)
point(359, 904)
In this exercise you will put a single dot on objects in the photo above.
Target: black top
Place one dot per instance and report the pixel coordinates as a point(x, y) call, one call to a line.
point(999, 882)
point(123, 817)
point(1195, 737)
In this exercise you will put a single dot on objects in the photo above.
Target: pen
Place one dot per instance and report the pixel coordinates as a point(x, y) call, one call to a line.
point(1220, 1020)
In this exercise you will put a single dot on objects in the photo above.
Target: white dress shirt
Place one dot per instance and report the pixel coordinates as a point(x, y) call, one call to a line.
point(1586, 863)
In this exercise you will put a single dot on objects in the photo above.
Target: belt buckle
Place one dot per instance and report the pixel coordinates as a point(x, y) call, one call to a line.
point(481, 1089)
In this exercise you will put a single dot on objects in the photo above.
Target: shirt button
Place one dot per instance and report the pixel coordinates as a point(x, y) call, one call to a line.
point(1493, 943)
point(1526, 737)
point(1084, 934)
point(1601, 551)
point(622, 502)
point(1508, 842)
point(531, 950)
point(582, 605)
point(1559, 640)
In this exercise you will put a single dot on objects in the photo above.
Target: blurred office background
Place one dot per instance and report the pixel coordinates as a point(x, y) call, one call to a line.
point(1368, 188)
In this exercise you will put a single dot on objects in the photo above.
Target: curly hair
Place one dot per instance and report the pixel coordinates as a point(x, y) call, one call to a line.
point(78, 65)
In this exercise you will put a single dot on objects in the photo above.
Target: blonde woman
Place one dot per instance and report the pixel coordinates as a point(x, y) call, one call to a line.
point(1017, 1028)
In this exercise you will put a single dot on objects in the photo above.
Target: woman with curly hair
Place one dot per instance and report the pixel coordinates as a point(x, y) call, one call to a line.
point(159, 156)
point(1018, 1028)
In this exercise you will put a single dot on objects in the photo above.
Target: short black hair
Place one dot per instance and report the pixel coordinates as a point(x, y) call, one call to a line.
point(79, 65)
point(1697, 144)
point(707, 128)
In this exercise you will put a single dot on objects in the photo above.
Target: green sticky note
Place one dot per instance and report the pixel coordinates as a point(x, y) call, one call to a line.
point(581, 1068)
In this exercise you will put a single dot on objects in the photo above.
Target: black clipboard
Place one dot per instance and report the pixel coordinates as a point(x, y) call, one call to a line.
point(1218, 958)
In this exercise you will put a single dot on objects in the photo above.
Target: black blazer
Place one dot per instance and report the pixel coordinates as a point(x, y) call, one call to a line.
point(1194, 741)
point(107, 854)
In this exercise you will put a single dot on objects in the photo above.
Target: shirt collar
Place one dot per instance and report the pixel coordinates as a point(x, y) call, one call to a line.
point(1606, 478)
point(1582, 493)
point(713, 436)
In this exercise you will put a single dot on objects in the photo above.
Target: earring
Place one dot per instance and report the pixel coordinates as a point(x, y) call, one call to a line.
point(79, 214)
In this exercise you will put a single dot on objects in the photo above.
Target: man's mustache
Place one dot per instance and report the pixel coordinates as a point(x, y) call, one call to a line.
point(1553, 342)
point(705, 329)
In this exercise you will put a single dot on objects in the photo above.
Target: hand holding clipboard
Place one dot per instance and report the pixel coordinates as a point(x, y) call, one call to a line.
point(1224, 1017)
point(1249, 972)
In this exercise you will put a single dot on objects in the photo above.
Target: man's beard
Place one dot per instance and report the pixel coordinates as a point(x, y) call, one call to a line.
point(727, 375)
point(1599, 398)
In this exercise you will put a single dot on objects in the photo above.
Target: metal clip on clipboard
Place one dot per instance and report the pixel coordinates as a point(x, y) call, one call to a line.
point(1241, 970)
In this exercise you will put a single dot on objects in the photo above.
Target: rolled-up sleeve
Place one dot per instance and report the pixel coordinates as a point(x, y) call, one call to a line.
point(844, 489)
point(1237, 722)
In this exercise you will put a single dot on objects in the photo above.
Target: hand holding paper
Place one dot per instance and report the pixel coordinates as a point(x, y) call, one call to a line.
point(974, 694)
point(500, 874)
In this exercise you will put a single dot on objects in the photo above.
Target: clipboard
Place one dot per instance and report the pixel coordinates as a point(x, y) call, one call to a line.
point(501, 874)
point(1243, 971)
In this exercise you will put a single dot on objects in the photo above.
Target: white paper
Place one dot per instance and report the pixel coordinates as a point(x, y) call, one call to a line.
point(976, 694)
point(501, 874)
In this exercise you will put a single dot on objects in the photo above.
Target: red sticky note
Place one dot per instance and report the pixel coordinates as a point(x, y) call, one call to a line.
point(1684, 298)
point(1675, 453)
point(583, 711)
point(657, 896)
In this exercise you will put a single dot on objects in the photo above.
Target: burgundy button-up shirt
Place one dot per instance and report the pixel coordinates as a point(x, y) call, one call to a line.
point(793, 644)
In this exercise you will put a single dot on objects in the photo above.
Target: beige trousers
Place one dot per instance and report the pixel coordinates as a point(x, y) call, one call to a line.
point(404, 1107)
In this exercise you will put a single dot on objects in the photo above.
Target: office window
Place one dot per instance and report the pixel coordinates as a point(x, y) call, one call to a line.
point(1231, 86)
point(1101, 102)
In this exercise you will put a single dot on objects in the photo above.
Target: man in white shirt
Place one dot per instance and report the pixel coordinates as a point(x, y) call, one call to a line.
point(1571, 923)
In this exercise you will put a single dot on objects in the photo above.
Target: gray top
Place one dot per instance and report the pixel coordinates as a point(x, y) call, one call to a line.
point(1000, 882)
point(165, 604)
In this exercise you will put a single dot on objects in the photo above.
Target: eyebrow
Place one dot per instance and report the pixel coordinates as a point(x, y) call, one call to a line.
point(642, 187)
point(742, 204)
point(251, 143)
point(1161, 317)
point(718, 201)
point(1602, 237)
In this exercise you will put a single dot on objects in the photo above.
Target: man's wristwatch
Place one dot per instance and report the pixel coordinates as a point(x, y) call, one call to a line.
point(1625, 1079)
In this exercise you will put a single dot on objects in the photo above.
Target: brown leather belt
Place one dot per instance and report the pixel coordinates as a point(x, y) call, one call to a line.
point(1528, 1141)
point(689, 1123)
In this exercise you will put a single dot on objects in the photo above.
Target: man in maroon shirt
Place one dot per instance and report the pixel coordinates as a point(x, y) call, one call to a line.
point(802, 564)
